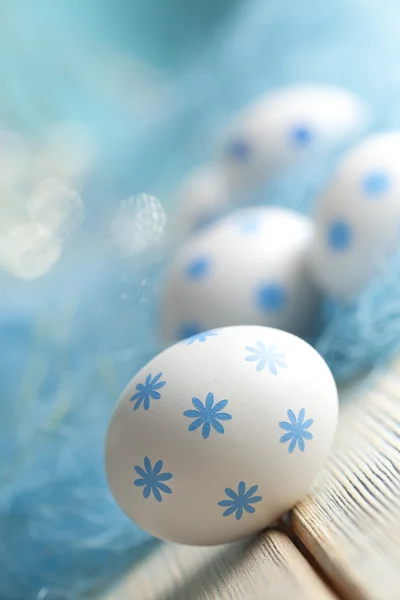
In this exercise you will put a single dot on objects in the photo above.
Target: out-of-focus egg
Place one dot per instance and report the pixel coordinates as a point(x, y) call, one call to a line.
point(221, 434)
point(284, 126)
point(202, 197)
point(248, 268)
point(358, 217)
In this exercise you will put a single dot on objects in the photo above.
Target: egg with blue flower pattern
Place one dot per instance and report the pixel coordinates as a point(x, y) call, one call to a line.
point(220, 434)
point(283, 127)
point(248, 268)
point(357, 220)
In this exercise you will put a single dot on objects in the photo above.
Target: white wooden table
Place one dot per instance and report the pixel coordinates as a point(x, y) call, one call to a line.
point(342, 541)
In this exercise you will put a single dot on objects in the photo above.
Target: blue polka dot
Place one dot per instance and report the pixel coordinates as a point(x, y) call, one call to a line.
point(198, 268)
point(301, 136)
point(203, 221)
point(339, 235)
point(376, 183)
point(271, 297)
point(248, 224)
point(239, 150)
point(188, 330)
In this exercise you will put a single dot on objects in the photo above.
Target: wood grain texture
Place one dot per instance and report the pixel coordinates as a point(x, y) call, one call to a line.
point(268, 567)
point(350, 522)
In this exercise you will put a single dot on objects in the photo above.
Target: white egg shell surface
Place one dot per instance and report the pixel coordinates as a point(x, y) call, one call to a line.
point(357, 218)
point(202, 196)
point(218, 436)
point(250, 268)
point(280, 128)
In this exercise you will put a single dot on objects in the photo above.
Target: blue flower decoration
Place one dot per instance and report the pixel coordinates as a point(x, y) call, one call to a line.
point(339, 235)
point(201, 336)
point(151, 479)
point(297, 430)
point(239, 150)
point(266, 356)
point(376, 183)
point(147, 391)
point(302, 136)
point(198, 268)
point(207, 416)
point(240, 500)
point(271, 297)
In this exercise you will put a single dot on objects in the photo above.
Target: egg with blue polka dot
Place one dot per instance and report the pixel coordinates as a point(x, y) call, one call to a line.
point(250, 267)
point(285, 126)
point(221, 434)
point(357, 219)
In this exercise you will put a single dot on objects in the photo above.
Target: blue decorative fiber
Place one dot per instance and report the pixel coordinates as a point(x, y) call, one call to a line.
point(71, 340)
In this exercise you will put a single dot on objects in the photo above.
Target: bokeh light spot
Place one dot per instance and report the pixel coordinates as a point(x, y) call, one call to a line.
point(57, 206)
point(138, 224)
point(29, 250)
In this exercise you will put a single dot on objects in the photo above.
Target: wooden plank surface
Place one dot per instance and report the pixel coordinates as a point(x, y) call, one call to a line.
point(267, 568)
point(350, 522)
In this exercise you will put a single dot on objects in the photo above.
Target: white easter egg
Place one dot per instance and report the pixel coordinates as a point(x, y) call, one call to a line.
point(249, 268)
point(358, 217)
point(221, 434)
point(203, 195)
point(282, 127)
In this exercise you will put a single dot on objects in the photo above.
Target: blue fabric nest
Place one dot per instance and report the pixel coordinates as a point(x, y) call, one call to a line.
point(71, 341)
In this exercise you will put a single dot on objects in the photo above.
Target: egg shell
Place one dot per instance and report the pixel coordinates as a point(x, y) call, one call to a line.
point(284, 126)
point(202, 196)
point(249, 268)
point(271, 405)
point(357, 219)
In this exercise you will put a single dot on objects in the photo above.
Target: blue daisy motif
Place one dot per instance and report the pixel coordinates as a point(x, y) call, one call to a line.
point(147, 391)
point(198, 268)
point(239, 150)
point(240, 500)
point(339, 235)
point(376, 183)
point(301, 136)
point(296, 430)
point(271, 297)
point(199, 336)
point(208, 415)
point(266, 356)
point(151, 479)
